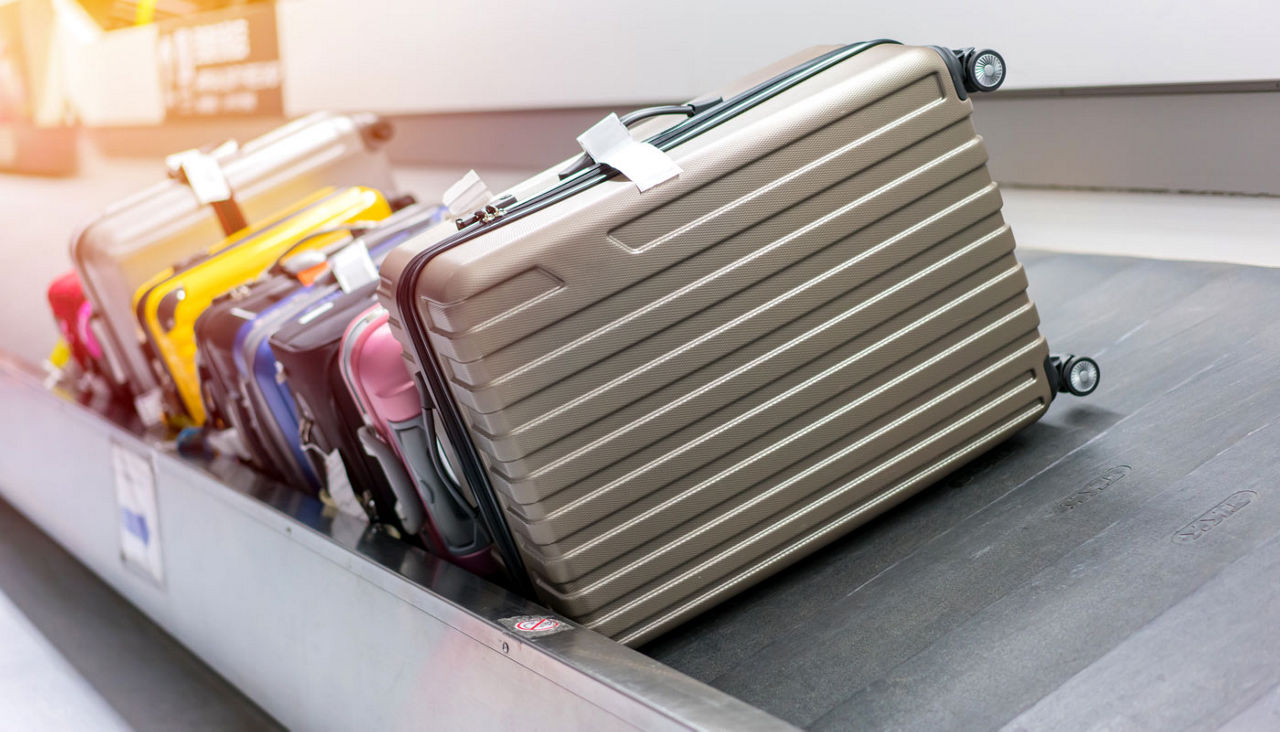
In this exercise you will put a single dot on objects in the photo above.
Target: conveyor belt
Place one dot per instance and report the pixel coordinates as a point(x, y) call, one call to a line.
point(1115, 564)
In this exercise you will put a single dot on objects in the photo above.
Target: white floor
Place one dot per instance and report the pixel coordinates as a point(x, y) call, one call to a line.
point(39, 689)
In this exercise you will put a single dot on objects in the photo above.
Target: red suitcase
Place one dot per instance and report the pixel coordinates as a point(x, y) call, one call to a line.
point(72, 312)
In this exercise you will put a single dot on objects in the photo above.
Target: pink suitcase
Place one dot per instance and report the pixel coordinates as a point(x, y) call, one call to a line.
point(401, 436)
point(85, 372)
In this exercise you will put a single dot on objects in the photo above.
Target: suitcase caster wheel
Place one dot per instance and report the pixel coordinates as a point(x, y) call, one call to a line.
point(192, 442)
point(984, 70)
point(1080, 375)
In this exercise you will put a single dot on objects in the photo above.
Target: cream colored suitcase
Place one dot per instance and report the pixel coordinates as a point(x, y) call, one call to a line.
point(659, 398)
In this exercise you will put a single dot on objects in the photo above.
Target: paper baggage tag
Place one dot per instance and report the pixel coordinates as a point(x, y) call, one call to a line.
point(137, 513)
point(352, 267)
point(228, 442)
point(150, 407)
point(339, 485)
point(203, 175)
point(467, 195)
point(609, 142)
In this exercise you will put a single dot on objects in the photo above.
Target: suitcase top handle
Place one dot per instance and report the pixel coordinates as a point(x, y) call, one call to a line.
point(201, 170)
point(688, 109)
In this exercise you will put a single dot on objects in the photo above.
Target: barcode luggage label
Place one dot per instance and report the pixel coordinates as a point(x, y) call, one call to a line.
point(138, 517)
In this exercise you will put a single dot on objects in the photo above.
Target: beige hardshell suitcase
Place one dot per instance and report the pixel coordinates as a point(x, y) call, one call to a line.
point(659, 398)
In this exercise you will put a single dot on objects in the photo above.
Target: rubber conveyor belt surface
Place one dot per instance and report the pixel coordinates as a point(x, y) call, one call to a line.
point(1113, 564)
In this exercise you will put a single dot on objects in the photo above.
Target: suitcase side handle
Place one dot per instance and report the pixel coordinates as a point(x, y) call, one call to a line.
point(408, 506)
point(458, 526)
point(688, 109)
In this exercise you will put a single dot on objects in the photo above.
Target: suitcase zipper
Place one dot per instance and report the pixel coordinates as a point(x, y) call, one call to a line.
point(490, 213)
point(432, 385)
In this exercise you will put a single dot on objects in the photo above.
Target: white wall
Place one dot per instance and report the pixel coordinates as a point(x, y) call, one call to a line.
point(418, 56)
point(450, 55)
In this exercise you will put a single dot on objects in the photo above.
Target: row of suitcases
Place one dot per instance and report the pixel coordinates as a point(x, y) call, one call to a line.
point(236, 334)
point(729, 332)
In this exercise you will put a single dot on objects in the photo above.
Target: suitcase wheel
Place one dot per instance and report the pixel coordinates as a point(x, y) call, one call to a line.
point(1079, 375)
point(983, 70)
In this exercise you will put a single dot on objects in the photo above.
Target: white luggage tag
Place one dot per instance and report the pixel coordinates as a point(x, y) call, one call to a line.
point(150, 407)
point(352, 267)
point(609, 142)
point(203, 174)
point(338, 484)
point(467, 195)
point(227, 442)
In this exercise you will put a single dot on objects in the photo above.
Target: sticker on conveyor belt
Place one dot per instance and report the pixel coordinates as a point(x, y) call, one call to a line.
point(534, 626)
point(136, 511)
point(1094, 487)
point(1210, 519)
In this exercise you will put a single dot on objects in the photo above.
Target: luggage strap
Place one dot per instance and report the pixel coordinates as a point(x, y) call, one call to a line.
point(202, 172)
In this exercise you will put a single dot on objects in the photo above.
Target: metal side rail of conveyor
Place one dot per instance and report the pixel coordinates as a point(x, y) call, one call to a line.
point(323, 622)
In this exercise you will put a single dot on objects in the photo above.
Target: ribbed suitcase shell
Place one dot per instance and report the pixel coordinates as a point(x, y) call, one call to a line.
point(680, 392)
point(141, 235)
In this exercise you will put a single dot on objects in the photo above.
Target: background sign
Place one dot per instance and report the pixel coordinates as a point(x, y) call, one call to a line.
point(221, 64)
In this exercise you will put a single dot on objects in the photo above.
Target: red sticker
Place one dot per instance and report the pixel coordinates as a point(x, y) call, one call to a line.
point(537, 625)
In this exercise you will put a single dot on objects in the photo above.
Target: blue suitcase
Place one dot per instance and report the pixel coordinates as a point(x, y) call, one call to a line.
point(245, 390)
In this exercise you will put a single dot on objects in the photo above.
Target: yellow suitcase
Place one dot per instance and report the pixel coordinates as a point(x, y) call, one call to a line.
point(167, 306)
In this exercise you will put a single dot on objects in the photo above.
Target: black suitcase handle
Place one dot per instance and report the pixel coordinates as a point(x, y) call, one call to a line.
point(408, 505)
point(688, 109)
point(459, 527)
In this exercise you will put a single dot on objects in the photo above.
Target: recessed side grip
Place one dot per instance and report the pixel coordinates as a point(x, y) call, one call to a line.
point(458, 529)
point(408, 508)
